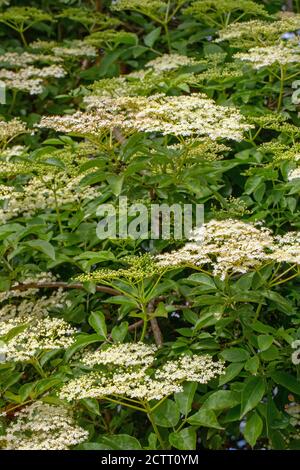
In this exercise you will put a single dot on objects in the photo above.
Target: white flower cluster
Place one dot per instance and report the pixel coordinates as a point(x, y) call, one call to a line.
point(296, 354)
point(138, 5)
point(30, 79)
point(14, 151)
point(192, 115)
point(41, 426)
point(43, 193)
point(127, 355)
point(134, 384)
point(14, 59)
point(11, 129)
point(233, 246)
point(29, 306)
point(37, 335)
point(128, 375)
point(286, 248)
point(43, 45)
point(51, 71)
point(259, 57)
point(294, 174)
point(78, 49)
point(193, 368)
point(260, 31)
point(168, 62)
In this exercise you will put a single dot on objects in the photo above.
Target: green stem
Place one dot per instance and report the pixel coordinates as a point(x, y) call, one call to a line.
point(155, 428)
point(144, 330)
point(282, 78)
point(23, 38)
point(286, 279)
point(257, 312)
point(274, 280)
point(38, 367)
point(13, 101)
point(57, 212)
point(166, 28)
point(117, 402)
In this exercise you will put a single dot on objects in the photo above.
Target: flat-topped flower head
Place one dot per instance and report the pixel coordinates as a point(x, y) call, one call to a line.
point(143, 6)
point(259, 32)
point(280, 54)
point(227, 245)
point(30, 79)
point(45, 334)
point(294, 175)
point(11, 129)
point(41, 426)
point(75, 49)
point(136, 269)
point(232, 247)
point(286, 248)
point(168, 62)
point(41, 193)
point(91, 20)
point(16, 60)
point(221, 12)
point(127, 375)
point(186, 115)
point(127, 355)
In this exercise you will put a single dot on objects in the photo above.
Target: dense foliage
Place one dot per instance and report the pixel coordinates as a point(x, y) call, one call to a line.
point(158, 343)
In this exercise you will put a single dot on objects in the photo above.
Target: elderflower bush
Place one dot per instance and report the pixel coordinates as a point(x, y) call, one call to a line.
point(164, 343)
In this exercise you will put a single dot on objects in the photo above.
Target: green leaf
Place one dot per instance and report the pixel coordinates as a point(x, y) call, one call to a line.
point(97, 321)
point(262, 328)
point(80, 343)
point(92, 446)
point(206, 418)
point(252, 365)
point(15, 331)
point(281, 303)
point(231, 371)
point(167, 414)
point(184, 439)
point(252, 184)
point(160, 311)
point(115, 183)
point(92, 405)
point(117, 442)
point(286, 380)
point(13, 377)
point(121, 442)
point(119, 332)
point(253, 429)
point(25, 390)
point(222, 399)
point(252, 393)
point(185, 398)
point(45, 384)
point(43, 246)
point(203, 279)
point(270, 354)
point(152, 37)
point(4, 284)
point(235, 355)
point(210, 49)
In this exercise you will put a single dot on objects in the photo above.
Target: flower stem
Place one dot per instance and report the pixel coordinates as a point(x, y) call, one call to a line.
point(155, 428)
point(23, 38)
point(282, 78)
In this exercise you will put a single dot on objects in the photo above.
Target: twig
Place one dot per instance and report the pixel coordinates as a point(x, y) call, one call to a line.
point(158, 337)
point(135, 325)
point(60, 285)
